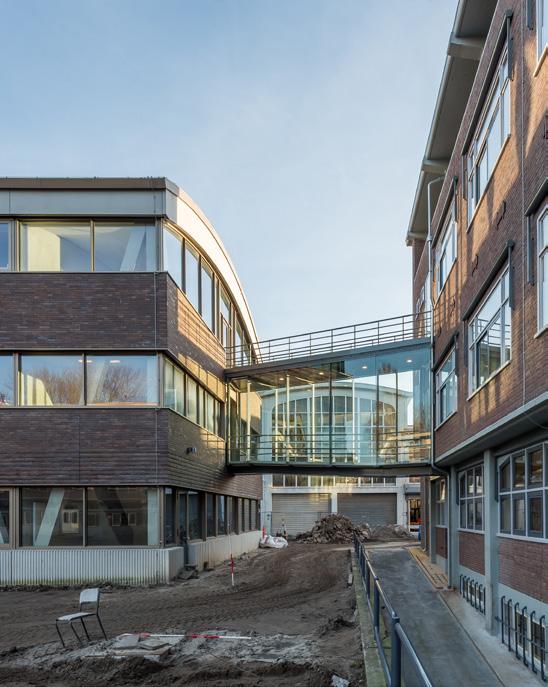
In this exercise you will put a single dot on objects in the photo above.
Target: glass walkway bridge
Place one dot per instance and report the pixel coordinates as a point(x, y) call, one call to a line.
point(353, 400)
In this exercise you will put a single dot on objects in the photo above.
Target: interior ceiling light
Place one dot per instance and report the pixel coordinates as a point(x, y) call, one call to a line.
point(408, 360)
point(364, 367)
point(114, 362)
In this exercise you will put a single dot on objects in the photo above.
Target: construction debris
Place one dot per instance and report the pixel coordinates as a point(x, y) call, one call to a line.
point(268, 542)
point(338, 529)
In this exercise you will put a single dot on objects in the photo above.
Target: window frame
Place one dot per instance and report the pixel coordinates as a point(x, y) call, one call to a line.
point(478, 147)
point(440, 386)
point(473, 342)
point(448, 239)
point(542, 267)
point(525, 493)
point(11, 246)
point(475, 497)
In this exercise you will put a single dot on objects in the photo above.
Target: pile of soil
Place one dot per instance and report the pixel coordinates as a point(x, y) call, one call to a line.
point(338, 529)
point(335, 529)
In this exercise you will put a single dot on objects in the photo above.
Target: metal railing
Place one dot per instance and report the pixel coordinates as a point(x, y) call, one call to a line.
point(525, 635)
point(325, 341)
point(380, 447)
point(382, 612)
point(473, 592)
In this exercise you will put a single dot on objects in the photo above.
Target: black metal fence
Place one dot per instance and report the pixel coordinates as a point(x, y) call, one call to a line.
point(473, 592)
point(524, 634)
point(399, 659)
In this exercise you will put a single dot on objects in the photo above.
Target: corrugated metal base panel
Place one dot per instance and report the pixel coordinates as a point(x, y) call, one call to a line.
point(218, 549)
point(83, 566)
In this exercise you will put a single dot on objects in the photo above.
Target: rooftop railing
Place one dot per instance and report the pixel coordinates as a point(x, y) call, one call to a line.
point(326, 341)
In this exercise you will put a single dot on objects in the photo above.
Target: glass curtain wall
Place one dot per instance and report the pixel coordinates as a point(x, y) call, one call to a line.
point(371, 410)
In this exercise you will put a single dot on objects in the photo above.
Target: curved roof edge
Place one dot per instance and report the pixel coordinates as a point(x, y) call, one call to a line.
point(464, 50)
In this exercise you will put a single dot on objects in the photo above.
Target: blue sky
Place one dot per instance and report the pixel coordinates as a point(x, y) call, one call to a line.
point(297, 125)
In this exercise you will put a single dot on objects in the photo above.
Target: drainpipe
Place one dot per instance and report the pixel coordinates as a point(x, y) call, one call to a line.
point(431, 529)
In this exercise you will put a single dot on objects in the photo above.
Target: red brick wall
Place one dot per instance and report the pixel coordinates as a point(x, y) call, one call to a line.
point(500, 217)
point(471, 551)
point(523, 565)
point(441, 541)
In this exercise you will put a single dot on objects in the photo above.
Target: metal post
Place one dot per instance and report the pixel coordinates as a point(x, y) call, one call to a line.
point(376, 604)
point(395, 652)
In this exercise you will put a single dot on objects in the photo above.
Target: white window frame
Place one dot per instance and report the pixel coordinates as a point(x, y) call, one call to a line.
point(542, 267)
point(441, 385)
point(440, 488)
point(446, 248)
point(474, 340)
point(496, 104)
point(542, 27)
point(475, 496)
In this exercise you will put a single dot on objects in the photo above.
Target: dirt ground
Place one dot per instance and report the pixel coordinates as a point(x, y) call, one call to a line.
point(294, 604)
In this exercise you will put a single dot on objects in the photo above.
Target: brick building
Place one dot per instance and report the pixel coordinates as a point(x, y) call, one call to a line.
point(479, 236)
point(117, 301)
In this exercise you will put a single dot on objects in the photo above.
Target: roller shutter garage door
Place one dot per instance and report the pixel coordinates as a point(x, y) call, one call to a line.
point(375, 509)
point(299, 512)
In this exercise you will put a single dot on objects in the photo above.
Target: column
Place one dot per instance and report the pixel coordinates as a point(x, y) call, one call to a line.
point(490, 526)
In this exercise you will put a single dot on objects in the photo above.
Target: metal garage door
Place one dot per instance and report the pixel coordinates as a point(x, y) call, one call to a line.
point(375, 509)
point(298, 512)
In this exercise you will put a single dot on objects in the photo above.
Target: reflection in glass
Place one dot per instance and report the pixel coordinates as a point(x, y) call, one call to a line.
point(505, 514)
point(48, 247)
point(122, 379)
point(174, 387)
point(210, 514)
point(6, 380)
point(369, 410)
point(221, 515)
point(194, 515)
point(173, 256)
point(122, 516)
point(535, 513)
point(192, 399)
point(48, 380)
point(519, 472)
point(207, 296)
point(124, 248)
point(52, 517)
point(4, 246)
point(192, 276)
point(519, 513)
point(535, 467)
point(4, 516)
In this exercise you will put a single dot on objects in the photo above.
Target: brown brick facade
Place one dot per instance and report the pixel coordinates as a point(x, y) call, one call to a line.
point(441, 541)
point(523, 565)
point(471, 551)
point(499, 218)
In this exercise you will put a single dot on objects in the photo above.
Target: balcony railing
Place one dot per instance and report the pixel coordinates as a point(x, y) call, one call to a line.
point(380, 447)
point(326, 341)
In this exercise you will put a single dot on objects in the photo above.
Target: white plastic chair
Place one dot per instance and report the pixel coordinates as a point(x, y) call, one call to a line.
point(89, 606)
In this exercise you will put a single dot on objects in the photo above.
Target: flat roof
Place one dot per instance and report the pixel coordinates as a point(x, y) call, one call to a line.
point(464, 49)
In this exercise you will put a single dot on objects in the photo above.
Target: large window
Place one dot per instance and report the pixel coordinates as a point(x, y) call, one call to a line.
point(542, 26)
point(492, 131)
point(523, 489)
point(221, 515)
point(4, 516)
point(471, 498)
point(173, 256)
point(543, 269)
point(207, 296)
point(6, 380)
point(446, 388)
point(122, 380)
point(192, 276)
point(489, 334)
point(47, 380)
point(124, 248)
point(174, 388)
point(122, 516)
point(446, 251)
point(195, 515)
point(49, 247)
point(440, 488)
point(52, 517)
point(5, 246)
point(210, 514)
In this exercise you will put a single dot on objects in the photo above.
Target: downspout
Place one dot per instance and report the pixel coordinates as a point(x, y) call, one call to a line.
point(432, 381)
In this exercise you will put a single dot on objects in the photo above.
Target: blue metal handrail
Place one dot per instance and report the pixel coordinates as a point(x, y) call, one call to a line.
point(398, 638)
